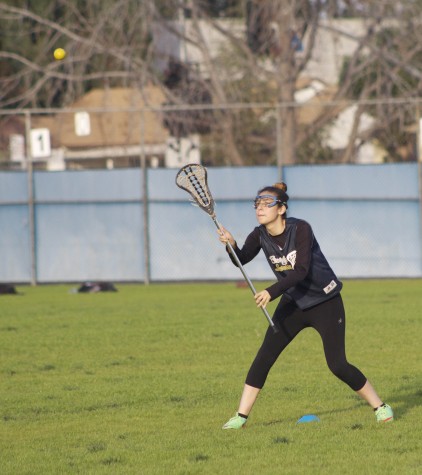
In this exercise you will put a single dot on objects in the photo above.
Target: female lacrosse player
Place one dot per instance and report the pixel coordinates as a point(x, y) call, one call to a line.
point(310, 298)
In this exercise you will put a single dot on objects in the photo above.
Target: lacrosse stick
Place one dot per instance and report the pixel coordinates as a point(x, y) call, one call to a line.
point(193, 179)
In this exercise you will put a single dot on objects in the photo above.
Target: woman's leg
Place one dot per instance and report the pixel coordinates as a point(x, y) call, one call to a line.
point(369, 394)
point(289, 323)
point(248, 399)
point(329, 320)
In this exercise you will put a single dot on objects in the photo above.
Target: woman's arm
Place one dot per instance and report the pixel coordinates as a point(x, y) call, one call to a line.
point(249, 250)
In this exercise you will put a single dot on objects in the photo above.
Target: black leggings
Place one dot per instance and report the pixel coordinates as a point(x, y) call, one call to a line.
point(328, 319)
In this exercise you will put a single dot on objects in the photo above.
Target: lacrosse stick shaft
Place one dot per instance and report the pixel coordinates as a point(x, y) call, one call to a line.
point(245, 275)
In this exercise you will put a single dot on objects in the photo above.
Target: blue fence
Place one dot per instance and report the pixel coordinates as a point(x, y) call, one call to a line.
point(74, 226)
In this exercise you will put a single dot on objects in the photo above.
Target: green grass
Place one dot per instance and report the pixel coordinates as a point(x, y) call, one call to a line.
point(141, 381)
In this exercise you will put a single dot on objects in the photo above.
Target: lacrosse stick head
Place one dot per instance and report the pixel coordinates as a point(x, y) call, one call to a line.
point(193, 179)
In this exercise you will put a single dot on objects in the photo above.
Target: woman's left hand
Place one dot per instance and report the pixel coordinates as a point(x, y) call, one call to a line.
point(262, 298)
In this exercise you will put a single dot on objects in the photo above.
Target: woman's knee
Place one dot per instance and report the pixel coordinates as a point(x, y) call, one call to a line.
point(339, 368)
point(265, 360)
point(348, 373)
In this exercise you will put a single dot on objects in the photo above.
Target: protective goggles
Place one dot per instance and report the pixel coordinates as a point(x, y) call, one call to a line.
point(267, 201)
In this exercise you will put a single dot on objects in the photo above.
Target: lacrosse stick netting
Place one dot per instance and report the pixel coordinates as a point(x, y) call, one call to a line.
point(193, 179)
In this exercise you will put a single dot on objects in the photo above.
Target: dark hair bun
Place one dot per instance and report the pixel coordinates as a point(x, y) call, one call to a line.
point(281, 186)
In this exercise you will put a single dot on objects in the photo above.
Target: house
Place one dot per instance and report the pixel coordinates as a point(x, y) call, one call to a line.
point(106, 127)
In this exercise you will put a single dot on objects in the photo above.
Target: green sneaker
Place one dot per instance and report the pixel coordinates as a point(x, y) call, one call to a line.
point(384, 413)
point(236, 422)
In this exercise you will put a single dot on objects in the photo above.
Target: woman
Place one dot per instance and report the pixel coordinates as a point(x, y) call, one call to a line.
point(310, 298)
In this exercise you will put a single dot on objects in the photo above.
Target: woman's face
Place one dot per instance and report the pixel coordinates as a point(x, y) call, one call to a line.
point(267, 208)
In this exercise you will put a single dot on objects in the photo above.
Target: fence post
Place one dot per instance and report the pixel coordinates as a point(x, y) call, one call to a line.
point(145, 218)
point(419, 159)
point(279, 143)
point(31, 211)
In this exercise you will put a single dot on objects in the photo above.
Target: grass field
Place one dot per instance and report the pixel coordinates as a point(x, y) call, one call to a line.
point(140, 382)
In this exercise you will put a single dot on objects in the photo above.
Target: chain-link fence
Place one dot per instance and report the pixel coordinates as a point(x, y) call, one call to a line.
point(135, 130)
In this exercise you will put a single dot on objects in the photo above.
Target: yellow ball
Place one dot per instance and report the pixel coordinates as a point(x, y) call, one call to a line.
point(59, 53)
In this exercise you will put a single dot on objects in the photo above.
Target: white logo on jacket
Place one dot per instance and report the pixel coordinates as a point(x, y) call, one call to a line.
point(284, 262)
point(291, 257)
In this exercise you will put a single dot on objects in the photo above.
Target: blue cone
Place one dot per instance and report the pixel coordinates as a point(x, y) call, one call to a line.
point(308, 418)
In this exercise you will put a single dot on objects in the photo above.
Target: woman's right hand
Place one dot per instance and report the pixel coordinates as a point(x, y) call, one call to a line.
point(225, 236)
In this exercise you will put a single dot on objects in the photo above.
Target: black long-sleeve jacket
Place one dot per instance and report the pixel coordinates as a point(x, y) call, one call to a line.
point(302, 271)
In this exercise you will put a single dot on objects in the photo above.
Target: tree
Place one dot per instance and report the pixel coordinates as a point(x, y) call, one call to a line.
point(267, 50)
point(107, 43)
point(394, 74)
point(267, 63)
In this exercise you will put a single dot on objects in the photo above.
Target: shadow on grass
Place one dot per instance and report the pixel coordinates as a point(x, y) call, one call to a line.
point(406, 399)
point(290, 420)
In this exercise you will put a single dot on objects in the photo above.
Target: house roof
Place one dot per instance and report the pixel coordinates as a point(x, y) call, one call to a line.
point(312, 108)
point(116, 119)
